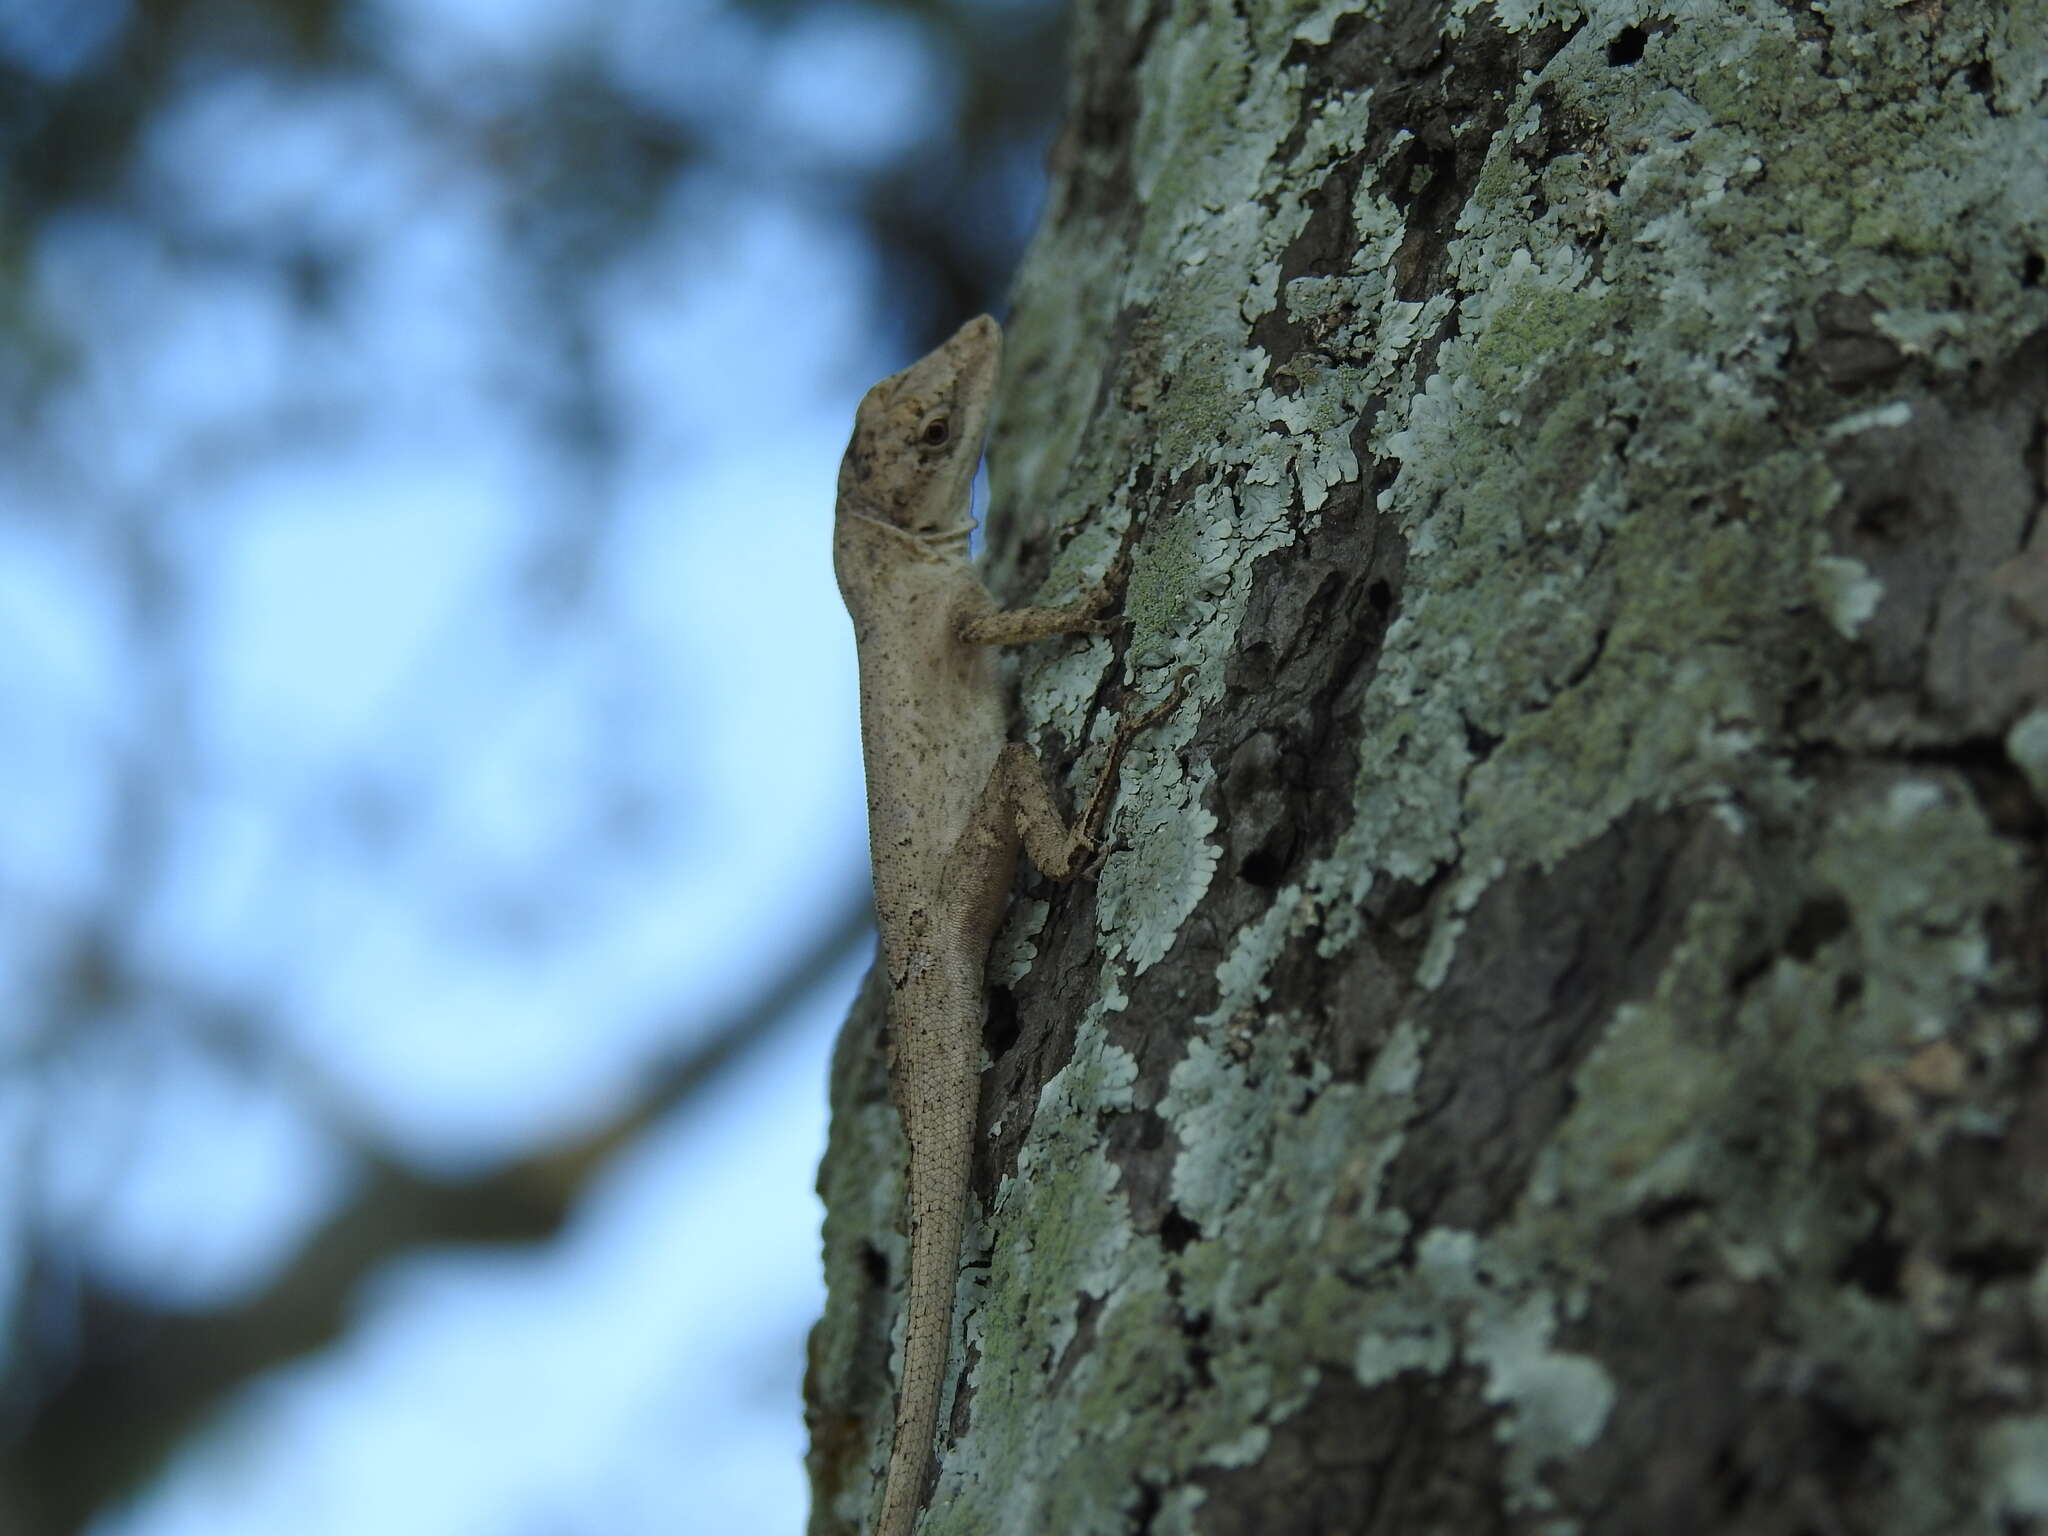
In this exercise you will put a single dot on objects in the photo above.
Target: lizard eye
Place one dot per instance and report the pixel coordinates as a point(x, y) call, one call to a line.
point(936, 431)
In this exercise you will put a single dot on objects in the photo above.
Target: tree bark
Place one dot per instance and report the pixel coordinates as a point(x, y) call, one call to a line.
point(1560, 1046)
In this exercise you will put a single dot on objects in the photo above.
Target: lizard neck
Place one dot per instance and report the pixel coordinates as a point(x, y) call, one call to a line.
point(942, 543)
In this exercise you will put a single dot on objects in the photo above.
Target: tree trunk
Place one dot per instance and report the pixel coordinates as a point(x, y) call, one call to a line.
point(1559, 1048)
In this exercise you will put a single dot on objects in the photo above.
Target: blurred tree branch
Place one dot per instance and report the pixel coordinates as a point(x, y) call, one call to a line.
point(141, 1378)
point(97, 1385)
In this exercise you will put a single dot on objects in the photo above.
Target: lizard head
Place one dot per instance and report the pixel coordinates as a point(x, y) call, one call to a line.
point(917, 435)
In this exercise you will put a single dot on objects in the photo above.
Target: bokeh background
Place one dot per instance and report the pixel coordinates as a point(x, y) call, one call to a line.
point(431, 853)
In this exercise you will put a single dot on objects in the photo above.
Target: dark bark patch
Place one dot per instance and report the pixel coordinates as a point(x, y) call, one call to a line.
point(1872, 1266)
point(1146, 1510)
point(1714, 1434)
point(1366, 51)
point(1450, 102)
point(874, 1266)
point(999, 1027)
point(1995, 1261)
point(1341, 1008)
point(1411, 1454)
point(1546, 956)
point(1995, 782)
point(1561, 128)
point(1452, 114)
point(1040, 1027)
point(1848, 352)
point(1307, 649)
point(1327, 243)
point(1822, 920)
point(1261, 836)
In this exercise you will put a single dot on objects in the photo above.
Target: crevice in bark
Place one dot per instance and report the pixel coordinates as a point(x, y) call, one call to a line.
point(1146, 1510)
point(1087, 1311)
point(1872, 1266)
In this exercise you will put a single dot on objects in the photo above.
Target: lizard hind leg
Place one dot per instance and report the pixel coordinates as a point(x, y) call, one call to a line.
point(1057, 849)
point(1095, 814)
point(1016, 808)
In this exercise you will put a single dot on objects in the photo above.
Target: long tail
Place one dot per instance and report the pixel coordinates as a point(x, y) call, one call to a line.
point(939, 1102)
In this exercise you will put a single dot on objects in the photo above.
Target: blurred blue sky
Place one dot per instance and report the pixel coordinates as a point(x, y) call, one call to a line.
point(473, 771)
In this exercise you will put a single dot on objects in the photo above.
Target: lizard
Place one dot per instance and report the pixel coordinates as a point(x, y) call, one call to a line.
point(951, 798)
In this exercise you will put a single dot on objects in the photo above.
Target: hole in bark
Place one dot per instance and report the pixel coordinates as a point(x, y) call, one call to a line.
point(1265, 867)
point(1176, 1231)
point(1627, 46)
point(999, 1030)
point(873, 1265)
point(1885, 519)
point(1873, 1266)
point(1820, 921)
point(2031, 269)
point(1147, 1509)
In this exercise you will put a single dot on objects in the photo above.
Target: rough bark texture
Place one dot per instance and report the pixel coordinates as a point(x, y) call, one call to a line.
point(1561, 1050)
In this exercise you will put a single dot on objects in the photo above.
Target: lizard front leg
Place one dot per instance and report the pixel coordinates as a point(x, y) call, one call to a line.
point(1082, 616)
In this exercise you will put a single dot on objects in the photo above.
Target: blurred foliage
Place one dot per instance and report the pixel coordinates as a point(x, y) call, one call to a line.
point(585, 145)
point(946, 216)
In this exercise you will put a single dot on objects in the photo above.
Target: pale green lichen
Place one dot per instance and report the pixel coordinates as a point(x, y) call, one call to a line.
point(1016, 948)
point(1846, 590)
point(1559, 1400)
point(1915, 868)
point(1241, 974)
point(1060, 691)
point(2016, 1467)
point(1466, 1298)
point(2027, 745)
point(1653, 1084)
point(1149, 887)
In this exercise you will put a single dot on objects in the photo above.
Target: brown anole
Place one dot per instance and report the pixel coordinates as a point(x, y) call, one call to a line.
point(950, 800)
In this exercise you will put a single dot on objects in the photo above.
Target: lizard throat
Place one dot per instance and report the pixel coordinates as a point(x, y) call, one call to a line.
point(947, 541)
